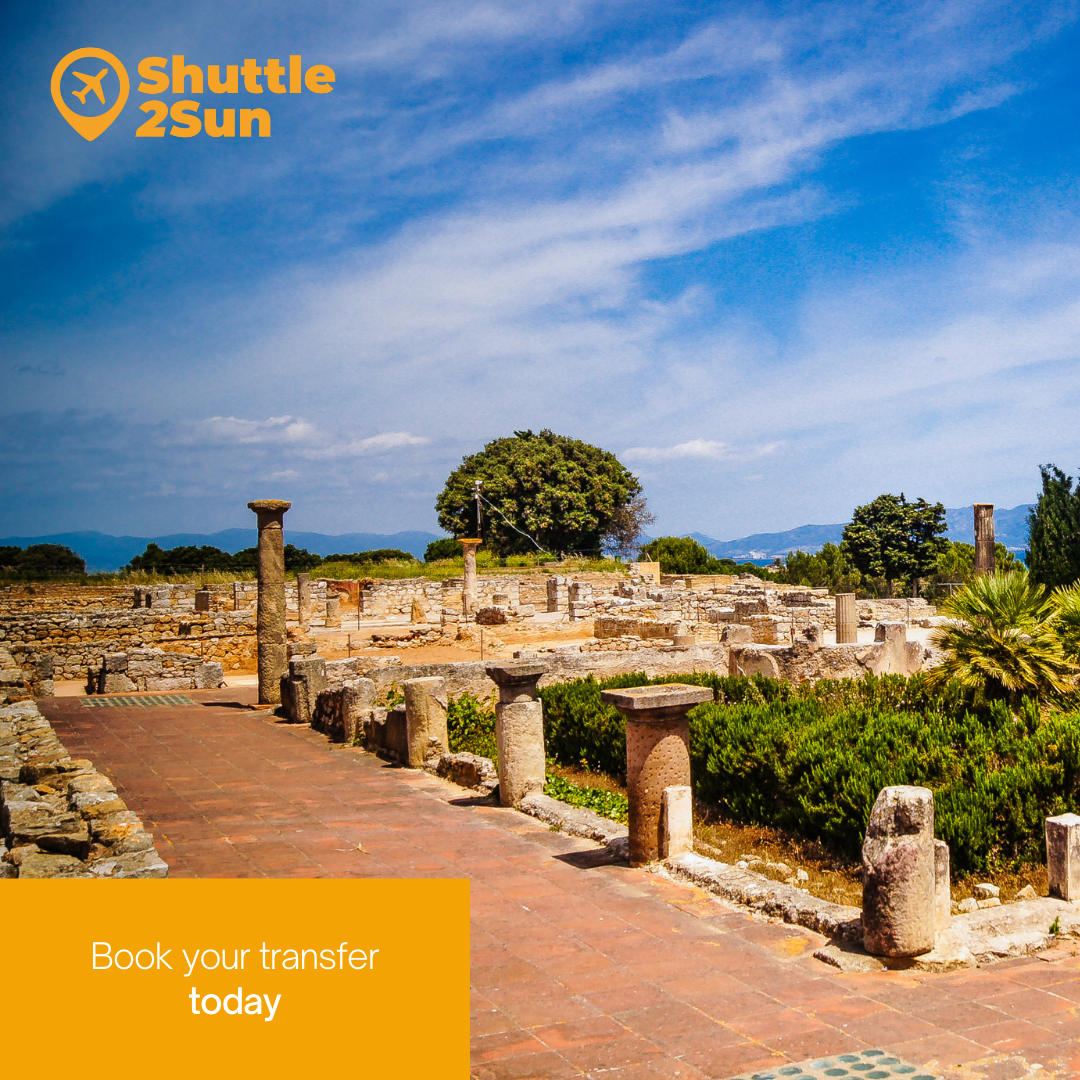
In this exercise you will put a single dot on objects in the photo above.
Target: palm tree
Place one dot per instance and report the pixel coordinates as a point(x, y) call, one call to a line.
point(1003, 639)
point(1067, 601)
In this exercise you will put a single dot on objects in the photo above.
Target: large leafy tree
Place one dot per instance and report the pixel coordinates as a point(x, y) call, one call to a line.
point(681, 555)
point(891, 538)
point(1053, 556)
point(564, 493)
point(830, 568)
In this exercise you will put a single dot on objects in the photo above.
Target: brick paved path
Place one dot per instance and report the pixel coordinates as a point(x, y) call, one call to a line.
point(580, 967)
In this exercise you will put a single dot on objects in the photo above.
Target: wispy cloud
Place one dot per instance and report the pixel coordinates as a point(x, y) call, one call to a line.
point(698, 448)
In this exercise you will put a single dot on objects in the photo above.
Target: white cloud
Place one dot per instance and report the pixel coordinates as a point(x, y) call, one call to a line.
point(697, 448)
point(275, 429)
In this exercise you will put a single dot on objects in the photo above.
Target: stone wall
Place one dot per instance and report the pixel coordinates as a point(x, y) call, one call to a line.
point(79, 640)
point(59, 817)
point(25, 676)
point(62, 597)
point(153, 669)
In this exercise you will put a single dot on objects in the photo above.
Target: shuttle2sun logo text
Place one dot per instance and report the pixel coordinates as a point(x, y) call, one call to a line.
point(91, 86)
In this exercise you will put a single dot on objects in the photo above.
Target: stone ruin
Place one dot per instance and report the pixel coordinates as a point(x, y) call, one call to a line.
point(153, 669)
point(59, 817)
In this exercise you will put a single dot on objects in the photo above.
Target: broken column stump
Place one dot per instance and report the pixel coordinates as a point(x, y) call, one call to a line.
point(425, 720)
point(1063, 855)
point(847, 619)
point(657, 755)
point(899, 875)
point(519, 730)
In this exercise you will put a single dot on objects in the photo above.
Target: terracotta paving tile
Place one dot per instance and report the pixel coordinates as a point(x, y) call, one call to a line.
point(581, 967)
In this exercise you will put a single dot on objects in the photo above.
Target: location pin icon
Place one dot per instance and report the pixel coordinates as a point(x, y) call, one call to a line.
point(90, 127)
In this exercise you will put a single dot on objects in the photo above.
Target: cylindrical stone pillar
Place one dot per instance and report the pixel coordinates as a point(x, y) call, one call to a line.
point(899, 874)
point(847, 619)
point(519, 730)
point(985, 558)
point(333, 612)
point(425, 720)
point(303, 598)
point(657, 755)
point(270, 621)
point(468, 591)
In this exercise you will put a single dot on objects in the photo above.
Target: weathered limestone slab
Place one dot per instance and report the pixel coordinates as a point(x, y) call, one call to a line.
point(774, 898)
point(657, 755)
point(519, 729)
point(677, 826)
point(1063, 855)
point(942, 885)
point(899, 873)
point(300, 689)
point(469, 770)
point(425, 717)
point(271, 603)
point(575, 820)
point(202, 599)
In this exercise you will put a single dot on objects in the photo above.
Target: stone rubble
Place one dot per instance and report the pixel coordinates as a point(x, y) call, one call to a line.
point(60, 817)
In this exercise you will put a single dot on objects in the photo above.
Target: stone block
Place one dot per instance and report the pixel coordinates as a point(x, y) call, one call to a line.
point(209, 676)
point(942, 885)
point(333, 612)
point(899, 874)
point(357, 700)
point(114, 663)
point(737, 634)
point(425, 711)
point(202, 600)
point(677, 822)
point(491, 616)
point(1063, 855)
point(306, 680)
point(115, 684)
point(468, 770)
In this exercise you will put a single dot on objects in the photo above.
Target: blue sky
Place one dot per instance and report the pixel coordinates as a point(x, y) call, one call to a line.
point(780, 258)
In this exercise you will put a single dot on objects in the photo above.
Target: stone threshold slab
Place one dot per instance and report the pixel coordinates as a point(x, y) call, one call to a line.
point(759, 893)
point(578, 821)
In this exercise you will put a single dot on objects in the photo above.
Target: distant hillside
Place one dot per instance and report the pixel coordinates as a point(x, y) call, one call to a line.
point(1010, 527)
point(103, 552)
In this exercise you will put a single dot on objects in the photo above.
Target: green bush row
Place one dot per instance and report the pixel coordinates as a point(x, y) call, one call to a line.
point(812, 759)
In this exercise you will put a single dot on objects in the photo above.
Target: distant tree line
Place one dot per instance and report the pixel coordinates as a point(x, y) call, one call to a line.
point(39, 562)
point(192, 559)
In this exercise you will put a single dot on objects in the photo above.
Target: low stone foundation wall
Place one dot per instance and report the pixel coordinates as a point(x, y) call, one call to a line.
point(153, 669)
point(79, 640)
point(59, 817)
point(24, 676)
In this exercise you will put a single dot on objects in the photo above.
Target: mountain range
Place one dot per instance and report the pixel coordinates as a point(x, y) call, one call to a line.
point(103, 552)
point(1010, 528)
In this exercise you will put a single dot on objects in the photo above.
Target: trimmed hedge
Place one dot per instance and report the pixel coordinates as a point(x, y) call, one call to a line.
point(812, 759)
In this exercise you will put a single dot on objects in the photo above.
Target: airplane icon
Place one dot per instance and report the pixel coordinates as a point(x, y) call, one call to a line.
point(91, 84)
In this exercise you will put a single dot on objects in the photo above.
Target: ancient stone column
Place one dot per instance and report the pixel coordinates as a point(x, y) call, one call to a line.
point(657, 755)
point(847, 619)
point(519, 730)
point(468, 591)
point(985, 558)
point(1063, 855)
point(333, 612)
point(270, 621)
point(425, 720)
point(899, 874)
point(303, 599)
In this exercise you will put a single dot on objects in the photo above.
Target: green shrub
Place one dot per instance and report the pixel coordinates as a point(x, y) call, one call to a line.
point(611, 804)
point(813, 759)
point(470, 727)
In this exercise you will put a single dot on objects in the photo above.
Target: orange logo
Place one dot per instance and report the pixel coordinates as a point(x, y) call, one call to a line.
point(90, 127)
